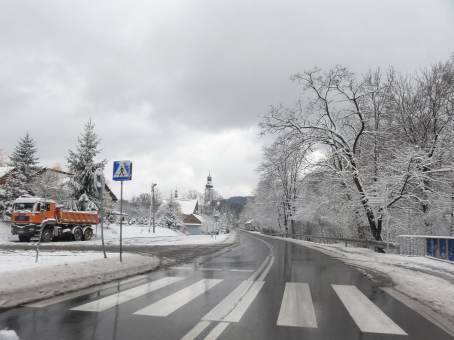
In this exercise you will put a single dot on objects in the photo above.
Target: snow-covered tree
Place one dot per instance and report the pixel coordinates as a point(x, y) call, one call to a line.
point(83, 164)
point(50, 184)
point(388, 151)
point(169, 215)
point(24, 164)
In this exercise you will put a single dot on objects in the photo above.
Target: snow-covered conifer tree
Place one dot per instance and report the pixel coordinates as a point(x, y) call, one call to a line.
point(24, 164)
point(170, 218)
point(83, 165)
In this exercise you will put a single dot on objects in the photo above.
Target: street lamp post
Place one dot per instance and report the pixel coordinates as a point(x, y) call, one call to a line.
point(152, 209)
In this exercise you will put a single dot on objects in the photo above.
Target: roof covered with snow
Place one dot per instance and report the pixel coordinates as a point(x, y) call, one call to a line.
point(4, 170)
point(31, 200)
point(187, 206)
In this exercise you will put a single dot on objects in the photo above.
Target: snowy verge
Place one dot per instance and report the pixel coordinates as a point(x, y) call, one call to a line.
point(134, 235)
point(62, 272)
point(428, 281)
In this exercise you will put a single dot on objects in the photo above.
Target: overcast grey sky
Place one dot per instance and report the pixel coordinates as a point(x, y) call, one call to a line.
point(178, 86)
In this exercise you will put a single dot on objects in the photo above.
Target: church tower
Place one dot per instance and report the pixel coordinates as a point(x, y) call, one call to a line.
point(209, 196)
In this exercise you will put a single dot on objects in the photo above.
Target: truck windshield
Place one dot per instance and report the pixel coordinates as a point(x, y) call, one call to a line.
point(23, 207)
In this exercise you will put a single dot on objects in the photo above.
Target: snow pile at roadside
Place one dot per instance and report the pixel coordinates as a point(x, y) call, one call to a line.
point(426, 280)
point(5, 232)
point(112, 231)
point(140, 235)
point(6, 334)
point(62, 272)
point(18, 260)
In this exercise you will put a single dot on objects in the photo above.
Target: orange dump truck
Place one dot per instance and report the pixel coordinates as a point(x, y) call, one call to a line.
point(31, 214)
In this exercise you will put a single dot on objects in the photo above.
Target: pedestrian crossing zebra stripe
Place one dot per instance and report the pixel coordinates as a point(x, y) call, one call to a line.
point(297, 308)
point(86, 291)
point(367, 316)
point(171, 303)
point(127, 295)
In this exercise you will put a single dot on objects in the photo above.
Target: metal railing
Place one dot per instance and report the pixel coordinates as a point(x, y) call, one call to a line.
point(366, 243)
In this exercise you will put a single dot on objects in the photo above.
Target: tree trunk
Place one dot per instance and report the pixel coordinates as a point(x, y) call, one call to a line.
point(375, 227)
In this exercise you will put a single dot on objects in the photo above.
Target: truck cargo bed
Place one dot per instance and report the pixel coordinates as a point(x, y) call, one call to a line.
point(79, 217)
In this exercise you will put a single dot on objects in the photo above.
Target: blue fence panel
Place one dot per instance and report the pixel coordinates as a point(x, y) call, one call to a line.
point(429, 247)
point(443, 249)
point(435, 249)
point(451, 250)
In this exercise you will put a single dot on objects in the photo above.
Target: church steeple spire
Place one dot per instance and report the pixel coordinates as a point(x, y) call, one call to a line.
point(209, 181)
point(209, 195)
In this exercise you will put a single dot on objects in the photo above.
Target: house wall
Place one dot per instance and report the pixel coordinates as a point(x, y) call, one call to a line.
point(195, 229)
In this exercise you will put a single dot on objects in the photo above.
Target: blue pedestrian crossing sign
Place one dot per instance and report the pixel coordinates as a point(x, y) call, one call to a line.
point(122, 170)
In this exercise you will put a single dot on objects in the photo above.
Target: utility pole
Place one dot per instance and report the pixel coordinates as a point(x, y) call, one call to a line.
point(153, 206)
point(100, 184)
point(151, 209)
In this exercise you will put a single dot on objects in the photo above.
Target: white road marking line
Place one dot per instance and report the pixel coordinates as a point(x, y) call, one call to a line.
point(257, 272)
point(367, 316)
point(228, 303)
point(171, 303)
point(182, 268)
point(237, 313)
point(196, 331)
point(129, 294)
point(87, 291)
point(297, 309)
point(266, 270)
point(238, 301)
point(217, 331)
point(213, 269)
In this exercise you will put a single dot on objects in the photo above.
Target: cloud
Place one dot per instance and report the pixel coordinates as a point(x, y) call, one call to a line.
point(175, 84)
point(184, 163)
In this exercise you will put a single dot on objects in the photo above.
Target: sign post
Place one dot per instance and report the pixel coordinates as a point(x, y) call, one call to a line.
point(100, 184)
point(122, 171)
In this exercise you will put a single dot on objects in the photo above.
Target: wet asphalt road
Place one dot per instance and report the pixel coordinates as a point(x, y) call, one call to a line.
point(237, 294)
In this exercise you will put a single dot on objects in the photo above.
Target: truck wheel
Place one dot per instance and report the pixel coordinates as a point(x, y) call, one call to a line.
point(78, 234)
point(24, 238)
point(47, 235)
point(88, 234)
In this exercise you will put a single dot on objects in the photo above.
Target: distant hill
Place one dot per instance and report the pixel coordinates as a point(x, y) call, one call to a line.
point(236, 203)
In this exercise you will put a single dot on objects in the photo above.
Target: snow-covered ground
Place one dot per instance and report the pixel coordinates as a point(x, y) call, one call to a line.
point(132, 235)
point(426, 280)
point(5, 233)
point(19, 260)
point(23, 280)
